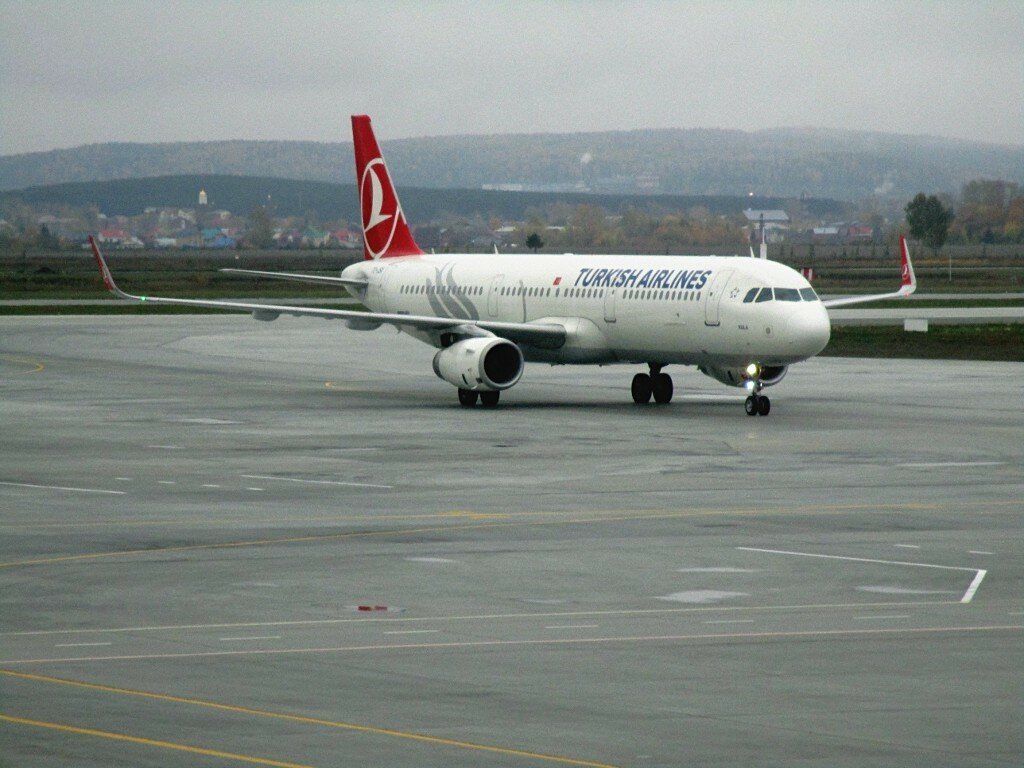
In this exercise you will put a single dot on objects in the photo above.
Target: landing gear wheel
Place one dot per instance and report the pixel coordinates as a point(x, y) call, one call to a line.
point(764, 405)
point(467, 397)
point(750, 405)
point(641, 388)
point(489, 399)
point(661, 388)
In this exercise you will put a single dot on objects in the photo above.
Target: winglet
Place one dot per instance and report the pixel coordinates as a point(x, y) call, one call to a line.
point(108, 279)
point(909, 284)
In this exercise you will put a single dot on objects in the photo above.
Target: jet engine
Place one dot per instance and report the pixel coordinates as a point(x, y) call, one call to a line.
point(738, 377)
point(480, 364)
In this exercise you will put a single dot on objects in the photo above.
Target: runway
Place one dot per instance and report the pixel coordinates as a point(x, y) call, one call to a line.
point(227, 542)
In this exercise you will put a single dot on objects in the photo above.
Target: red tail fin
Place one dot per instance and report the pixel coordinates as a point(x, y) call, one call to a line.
point(385, 230)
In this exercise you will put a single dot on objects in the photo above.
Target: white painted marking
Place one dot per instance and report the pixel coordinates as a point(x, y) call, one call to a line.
point(969, 594)
point(978, 552)
point(945, 464)
point(368, 618)
point(79, 645)
point(61, 488)
point(124, 479)
point(210, 485)
point(856, 559)
point(796, 634)
point(212, 422)
point(430, 560)
point(701, 596)
point(413, 632)
point(255, 489)
point(717, 570)
point(245, 639)
point(907, 546)
point(166, 447)
point(167, 482)
point(573, 626)
point(903, 591)
point(730, 621)
point(881, 618)
point(315, 482)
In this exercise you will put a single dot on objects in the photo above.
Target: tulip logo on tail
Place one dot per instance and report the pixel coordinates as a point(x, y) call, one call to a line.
point(379, 206)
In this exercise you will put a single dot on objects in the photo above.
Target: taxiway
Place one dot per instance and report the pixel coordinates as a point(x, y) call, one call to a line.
point(229, 542)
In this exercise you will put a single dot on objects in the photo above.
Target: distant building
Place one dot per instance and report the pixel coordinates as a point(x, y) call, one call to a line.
point(202, 197)
point(346, 238)
point(776, 224)
point(844, 232)
point(774, 218)
point(113, 236)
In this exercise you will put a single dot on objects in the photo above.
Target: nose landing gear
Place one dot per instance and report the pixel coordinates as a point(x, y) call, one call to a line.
point(757, 405)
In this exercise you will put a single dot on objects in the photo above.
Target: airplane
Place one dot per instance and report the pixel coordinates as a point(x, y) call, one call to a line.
point(743, 321)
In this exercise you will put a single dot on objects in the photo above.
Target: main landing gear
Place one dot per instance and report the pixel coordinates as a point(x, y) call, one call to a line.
point(468, 398)
point(656, 384)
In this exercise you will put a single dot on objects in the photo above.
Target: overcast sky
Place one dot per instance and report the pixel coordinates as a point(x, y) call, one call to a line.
point(76, 73)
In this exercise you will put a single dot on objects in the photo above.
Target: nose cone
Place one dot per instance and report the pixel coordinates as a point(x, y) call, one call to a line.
point(808, 329)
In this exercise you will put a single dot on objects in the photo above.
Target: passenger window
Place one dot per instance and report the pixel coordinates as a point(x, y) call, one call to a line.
point(787, 294)
point(750, 296)
point(808, 294)
point(765, 294)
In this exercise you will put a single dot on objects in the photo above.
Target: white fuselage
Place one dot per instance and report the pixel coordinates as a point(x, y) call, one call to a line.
point(694, 310)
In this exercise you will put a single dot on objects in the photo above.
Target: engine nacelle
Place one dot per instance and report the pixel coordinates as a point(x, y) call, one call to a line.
point(358, 324)
point(481, 364)
point(738, 377)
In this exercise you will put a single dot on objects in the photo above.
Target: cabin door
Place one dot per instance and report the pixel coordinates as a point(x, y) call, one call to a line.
point(713, 298)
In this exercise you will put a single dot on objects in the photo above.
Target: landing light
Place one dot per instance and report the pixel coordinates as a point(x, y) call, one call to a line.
point(753, 370)
point(749, 384)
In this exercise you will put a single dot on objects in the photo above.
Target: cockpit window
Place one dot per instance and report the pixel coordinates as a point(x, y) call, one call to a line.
point(764, 295)
point(787, 294)
point(750, 296)
point(808, 294)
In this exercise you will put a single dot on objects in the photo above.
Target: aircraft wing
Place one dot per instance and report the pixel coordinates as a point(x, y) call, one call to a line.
point(320, 279)
point(907, 286)
point(548, 335)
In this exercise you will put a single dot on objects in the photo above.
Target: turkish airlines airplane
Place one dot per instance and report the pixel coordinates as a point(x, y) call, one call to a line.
point(740, 320)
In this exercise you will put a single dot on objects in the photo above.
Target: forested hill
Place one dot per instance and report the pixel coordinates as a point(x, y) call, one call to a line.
point(845, 165)
point(322, 200)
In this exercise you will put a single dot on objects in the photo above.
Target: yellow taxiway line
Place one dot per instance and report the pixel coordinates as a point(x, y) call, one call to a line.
point(147, 742)
point(409, 735)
